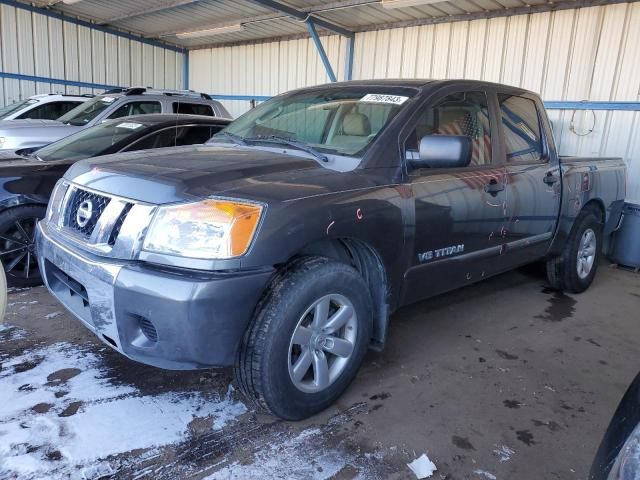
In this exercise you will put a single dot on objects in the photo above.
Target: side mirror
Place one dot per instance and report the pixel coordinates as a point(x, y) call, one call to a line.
point(443, 151)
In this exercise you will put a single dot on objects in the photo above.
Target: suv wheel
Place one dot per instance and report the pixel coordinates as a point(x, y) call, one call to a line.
point(17, 245)
point(307, 339)
point(574, 269)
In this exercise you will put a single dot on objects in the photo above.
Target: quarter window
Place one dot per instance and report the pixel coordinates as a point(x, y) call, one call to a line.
point(193, 109)
point(464, 113)
point(521, 127)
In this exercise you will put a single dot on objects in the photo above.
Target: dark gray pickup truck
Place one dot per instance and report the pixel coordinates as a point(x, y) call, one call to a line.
point(283, 246)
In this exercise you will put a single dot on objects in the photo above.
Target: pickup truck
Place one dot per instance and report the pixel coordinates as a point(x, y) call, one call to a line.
point(282, 248)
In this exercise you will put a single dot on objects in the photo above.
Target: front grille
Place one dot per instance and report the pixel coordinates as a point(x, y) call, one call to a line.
point(97, 204)
point(113, 236)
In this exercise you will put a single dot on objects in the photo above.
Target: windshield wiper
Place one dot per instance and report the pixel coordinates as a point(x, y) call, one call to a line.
point(293, 143)
point(236, 138)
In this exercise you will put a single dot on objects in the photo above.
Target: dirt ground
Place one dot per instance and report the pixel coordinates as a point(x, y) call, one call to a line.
point(504, 379)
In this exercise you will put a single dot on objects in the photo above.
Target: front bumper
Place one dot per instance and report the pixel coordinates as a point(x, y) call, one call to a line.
point(174, 320)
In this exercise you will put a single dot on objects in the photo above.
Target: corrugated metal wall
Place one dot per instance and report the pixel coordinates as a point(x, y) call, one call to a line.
point(583, 54)
point(43, 46)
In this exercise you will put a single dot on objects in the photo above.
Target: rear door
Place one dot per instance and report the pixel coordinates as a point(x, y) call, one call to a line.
point(533, 177)
point(459, 212)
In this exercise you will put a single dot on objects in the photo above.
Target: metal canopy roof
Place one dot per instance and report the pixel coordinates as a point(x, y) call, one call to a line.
point(164, 19)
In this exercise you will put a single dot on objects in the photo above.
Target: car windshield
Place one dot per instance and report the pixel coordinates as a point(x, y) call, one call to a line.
point(87, 111)
point(14, 107)
point(91, 142)
point(342, 121)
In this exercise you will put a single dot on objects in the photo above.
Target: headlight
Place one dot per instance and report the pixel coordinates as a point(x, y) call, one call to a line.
point(211, 229)
point(2, 140)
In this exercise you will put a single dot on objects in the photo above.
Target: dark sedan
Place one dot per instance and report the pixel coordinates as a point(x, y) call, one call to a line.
point(28, 177)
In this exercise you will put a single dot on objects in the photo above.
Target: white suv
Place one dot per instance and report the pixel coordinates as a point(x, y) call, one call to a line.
point(49, 106)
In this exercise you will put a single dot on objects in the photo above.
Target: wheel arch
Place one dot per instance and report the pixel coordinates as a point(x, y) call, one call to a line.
point(367, 261)
point(596, 206)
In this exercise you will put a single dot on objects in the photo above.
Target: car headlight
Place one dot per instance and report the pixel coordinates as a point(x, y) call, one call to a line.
point(2, 140)
point(210, 229)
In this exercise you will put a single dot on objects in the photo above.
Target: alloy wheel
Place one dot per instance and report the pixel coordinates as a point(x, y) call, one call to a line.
point(322, 343)
point(18, 248)
point(586, 253)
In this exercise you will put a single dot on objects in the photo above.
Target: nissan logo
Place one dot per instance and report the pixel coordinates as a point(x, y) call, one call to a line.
point(84, 213)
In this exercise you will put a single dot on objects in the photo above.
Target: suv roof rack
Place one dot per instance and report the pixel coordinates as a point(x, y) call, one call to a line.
point(158, 91)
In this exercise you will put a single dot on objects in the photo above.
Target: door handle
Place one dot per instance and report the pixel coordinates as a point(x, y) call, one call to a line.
point(550, 178)
point(493, 187)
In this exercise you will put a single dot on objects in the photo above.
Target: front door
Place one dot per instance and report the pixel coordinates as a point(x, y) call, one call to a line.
point(533, 179)
point(459, 212)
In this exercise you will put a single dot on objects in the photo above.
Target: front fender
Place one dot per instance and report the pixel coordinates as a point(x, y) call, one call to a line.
point(374, 216)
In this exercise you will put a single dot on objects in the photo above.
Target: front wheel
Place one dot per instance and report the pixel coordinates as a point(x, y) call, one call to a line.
point(307, 340)
point(574, 269)
point(18, 245)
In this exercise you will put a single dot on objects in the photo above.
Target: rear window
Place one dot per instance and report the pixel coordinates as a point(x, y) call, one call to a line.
point(193, 109)
point(521, 127)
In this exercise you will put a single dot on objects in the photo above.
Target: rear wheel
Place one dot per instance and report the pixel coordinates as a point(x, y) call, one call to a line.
point(307, 340)
point(574, 269)
point(17, 245)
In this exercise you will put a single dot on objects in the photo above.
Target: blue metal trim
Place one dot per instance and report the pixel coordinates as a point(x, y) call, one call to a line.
point(185, 71)
point(323, 55)
point(77, 21)
point(587, 105)
point(59, 81)
point(348, 68)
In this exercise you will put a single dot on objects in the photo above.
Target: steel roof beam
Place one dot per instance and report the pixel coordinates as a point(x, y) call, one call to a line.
point(304, 16)
point(145, 11)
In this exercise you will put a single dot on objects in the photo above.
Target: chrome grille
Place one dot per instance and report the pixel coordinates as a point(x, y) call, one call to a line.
point(98, 205)
point(118, 225)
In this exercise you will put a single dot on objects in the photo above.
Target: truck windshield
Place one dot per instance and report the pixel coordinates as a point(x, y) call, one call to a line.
point(342, 121)
point(87, 111)
point(90, 142)
point(14, 107)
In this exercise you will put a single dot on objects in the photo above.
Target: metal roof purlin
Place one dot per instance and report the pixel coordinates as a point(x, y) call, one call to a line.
point(303, 16)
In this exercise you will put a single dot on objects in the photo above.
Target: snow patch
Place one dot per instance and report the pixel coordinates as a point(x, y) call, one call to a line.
point(51, 315)
point(10, 333)
point(422, 467)
point(503, 453)
point(304, 456)
point(484, 474)
point(60, 416)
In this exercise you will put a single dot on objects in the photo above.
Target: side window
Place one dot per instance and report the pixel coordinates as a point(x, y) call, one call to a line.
point(191, 135)
point(48, 111)
point(465, 113)
point(160, 139)
point(137, 108)
point(521, 127)
point(193, 109)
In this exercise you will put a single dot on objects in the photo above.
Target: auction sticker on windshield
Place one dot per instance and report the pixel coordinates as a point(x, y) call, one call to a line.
point(129, 125)
point(381, 98)
point(107, 99)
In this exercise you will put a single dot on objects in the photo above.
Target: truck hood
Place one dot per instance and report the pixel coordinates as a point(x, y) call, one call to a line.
point(191, 173)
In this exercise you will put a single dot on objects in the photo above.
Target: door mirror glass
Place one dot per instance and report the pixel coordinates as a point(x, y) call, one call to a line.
point(443, 151)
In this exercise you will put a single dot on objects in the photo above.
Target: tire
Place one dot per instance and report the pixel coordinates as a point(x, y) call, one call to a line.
point(565, 272)
point(17, 245)
point(265, 370)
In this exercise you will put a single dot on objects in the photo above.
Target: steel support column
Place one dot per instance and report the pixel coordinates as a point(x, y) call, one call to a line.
point(323, 55)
